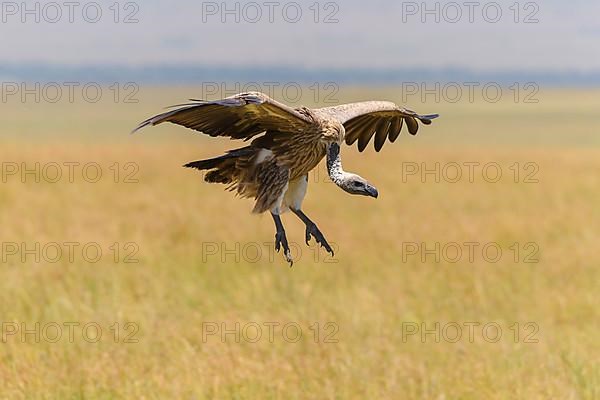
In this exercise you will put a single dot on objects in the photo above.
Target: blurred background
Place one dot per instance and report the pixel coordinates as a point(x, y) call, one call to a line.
point(473, 275)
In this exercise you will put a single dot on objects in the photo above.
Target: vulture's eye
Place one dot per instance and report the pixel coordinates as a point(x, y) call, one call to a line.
point(358, 184)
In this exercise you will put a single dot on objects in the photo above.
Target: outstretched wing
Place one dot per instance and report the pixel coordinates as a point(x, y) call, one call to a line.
point(382, 119)
point(240, 117)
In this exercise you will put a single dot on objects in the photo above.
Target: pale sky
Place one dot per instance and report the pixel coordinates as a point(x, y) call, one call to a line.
point(375, 33)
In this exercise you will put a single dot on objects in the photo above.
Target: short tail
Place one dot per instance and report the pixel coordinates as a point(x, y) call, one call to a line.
point(223, 169)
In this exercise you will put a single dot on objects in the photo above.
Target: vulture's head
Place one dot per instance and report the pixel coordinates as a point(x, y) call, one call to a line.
point(355, 184)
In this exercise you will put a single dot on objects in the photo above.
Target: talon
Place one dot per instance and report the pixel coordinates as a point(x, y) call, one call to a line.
point(281, 241)
point(288, 258)
point(277, 243)
point(312, 230)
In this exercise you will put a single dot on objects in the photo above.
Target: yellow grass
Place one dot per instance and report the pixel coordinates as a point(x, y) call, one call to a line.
point(364, 299)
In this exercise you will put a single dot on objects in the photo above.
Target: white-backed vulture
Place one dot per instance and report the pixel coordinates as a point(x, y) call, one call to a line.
point(285, 144)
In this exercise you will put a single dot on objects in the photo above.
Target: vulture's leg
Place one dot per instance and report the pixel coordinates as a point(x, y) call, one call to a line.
point(281, 239)
point(313, 230)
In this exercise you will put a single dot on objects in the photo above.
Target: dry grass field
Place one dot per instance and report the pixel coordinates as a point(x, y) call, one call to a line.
point(191, 302)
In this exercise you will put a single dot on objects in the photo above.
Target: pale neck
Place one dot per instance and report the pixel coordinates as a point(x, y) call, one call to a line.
point(334, 164)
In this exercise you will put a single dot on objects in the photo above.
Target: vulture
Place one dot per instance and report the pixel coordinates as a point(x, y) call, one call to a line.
point(285, 144)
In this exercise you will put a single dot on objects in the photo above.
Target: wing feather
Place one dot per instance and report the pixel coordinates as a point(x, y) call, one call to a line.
point(242, 116)
point(381, 134)
point(364, 124)
point(364, 138)
point(395, 128)
point(412, 125)
point(382, 119)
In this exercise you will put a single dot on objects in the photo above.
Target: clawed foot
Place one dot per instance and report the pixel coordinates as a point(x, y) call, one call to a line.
point(312, 230)
point(281, 241)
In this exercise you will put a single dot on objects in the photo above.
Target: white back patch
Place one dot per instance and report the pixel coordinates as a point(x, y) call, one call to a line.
point(262, 155)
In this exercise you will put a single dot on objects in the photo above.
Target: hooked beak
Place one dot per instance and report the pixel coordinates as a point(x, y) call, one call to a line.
point(372, 191)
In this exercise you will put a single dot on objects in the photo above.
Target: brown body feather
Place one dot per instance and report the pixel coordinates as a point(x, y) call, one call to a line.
point(287, 143)
point(251, 174)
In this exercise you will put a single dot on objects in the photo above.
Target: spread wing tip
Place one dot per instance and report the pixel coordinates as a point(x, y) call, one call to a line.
point(426, 119)
point(157, 119)
point(141, 126)
point(150, 122)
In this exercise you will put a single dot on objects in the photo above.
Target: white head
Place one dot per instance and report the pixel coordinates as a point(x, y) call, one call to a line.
point(350, 183)
point(355, 184)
